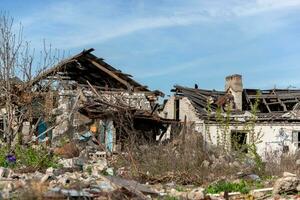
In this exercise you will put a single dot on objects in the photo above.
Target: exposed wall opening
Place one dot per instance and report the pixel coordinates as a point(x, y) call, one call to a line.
point(239, 141)
point(177, 108)
point(296, 138)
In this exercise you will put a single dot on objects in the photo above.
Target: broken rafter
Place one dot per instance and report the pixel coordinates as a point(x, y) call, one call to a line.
point(125, 83)
point(100, 98)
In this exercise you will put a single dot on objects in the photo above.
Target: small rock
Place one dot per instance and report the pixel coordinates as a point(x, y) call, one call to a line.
point(259, 193)
point(105, 186)
point(236, 164)
point(4, 172)
point(96, 168)
point(170, 184)
point(253, 177)
point(288, 183)
point(205, 164)
point(288, 174)
point(66, 163)
point(298, 162)
point(64, 181)
point(212, 158)
point(45, 178)
point(222, 159)
point(197, 193)
point(50, 171)
point(174, 193)
point(110, 171)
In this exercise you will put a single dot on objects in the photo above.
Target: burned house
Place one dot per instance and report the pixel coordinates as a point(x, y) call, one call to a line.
point(236, 116)
point(84, 96)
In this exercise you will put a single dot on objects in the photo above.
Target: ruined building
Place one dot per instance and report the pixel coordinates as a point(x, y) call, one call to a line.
point(83, 96)
point(235, 117)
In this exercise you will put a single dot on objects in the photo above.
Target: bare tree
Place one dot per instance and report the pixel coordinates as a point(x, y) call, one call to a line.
point(17, 67)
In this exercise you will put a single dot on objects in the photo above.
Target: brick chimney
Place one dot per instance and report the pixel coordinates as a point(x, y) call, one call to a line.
point(234, 85)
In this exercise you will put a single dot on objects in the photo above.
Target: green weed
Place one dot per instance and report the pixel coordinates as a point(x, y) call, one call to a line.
point(38, 158)
point(223, 186)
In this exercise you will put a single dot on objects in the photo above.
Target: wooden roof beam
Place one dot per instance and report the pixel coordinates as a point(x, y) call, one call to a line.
point(110, 73)
point(266, 104)
point(282, 104)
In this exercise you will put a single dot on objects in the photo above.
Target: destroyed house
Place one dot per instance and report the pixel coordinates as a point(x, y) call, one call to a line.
point(268, 118)
point(83, 96)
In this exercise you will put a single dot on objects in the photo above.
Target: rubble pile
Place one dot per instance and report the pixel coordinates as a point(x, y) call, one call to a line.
point(88, 175)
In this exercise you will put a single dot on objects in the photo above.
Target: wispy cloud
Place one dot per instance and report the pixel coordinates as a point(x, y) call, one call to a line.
point(90, 27)
point(158, 40)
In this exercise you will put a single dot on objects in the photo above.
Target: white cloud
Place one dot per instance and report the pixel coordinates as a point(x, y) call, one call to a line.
point(80, 24)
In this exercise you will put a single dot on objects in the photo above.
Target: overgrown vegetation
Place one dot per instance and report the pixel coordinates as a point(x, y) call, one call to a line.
point(37, 158)
point(183, 161)
point(188, 159)
point(242, 186)
point(223, 186)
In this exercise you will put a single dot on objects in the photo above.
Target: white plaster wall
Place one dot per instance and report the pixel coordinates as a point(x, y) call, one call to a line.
point(168, 111)
point(188, 110)
point(270, 140)
point(237, 95)
point(270, 132)
point(185, 109)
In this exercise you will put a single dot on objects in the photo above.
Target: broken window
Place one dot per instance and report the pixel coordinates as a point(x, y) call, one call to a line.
point(176, 105)
point(296, 138)
point(239, 141)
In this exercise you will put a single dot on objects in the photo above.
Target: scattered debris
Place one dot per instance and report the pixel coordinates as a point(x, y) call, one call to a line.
point(289, 183)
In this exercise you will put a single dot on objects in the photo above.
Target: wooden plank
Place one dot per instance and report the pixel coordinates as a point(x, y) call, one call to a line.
point(264, 100)
point(110, 73)
point(273, 103)
point(282, 104)
point(290, 101)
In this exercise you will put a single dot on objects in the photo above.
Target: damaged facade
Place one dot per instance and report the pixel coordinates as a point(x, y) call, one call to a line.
point(237, 116)
point(83, 97)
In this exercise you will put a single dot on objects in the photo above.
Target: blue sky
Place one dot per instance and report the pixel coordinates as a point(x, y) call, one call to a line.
point(167, 42)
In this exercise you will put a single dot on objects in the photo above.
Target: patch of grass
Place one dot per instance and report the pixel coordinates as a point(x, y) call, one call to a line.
point(222, 186)
point(180, 188)
point(37, 158)
point(3, 153)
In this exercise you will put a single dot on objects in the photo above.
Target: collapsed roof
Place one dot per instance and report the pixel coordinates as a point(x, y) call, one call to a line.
point(273, 104)
point(86, 67)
